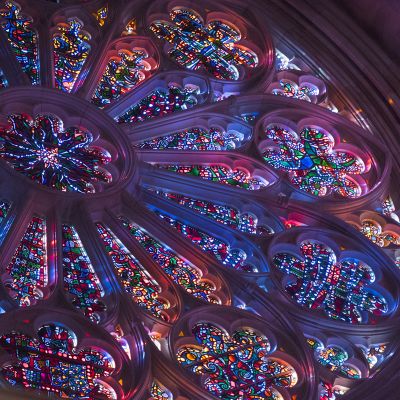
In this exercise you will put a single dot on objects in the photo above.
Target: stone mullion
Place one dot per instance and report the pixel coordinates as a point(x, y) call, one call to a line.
point(45, 54)
point(54, 250)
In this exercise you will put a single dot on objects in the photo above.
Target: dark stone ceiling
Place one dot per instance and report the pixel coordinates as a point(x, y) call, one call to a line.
point(380, 19)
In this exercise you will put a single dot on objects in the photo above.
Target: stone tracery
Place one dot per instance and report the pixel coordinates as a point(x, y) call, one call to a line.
point(202, 172)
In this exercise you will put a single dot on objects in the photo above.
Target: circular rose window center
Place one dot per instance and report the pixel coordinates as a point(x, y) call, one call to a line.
point(45, 152)
point(49, 157)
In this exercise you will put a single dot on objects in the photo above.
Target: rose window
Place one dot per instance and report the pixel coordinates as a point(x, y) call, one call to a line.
point(190, 208)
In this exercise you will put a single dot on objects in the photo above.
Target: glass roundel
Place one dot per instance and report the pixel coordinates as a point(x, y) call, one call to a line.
point(52, 363)
point(237, 365)
point(340, 287)
point(313, 163)
point(135, 191)
point(46, 153)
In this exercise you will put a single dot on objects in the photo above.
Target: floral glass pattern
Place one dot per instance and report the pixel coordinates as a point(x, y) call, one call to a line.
point(179, 270)
point(291, 89)
point(159, 392)
point(136, 281)
point(80, 279)
point(220, 249)
point(333, 358)
point(313, 164)
point(236, 366)
point(213, 47)
point(71, 49)
point(122, 74)
point(197, 139)
point(374, 232)
point(339, 288)
point(230, 216)
point(237, 177)
point(48, 154)
point(161, 102)
point(52, 364)
point(101, 15)
point(22, 38)
point(27, 270)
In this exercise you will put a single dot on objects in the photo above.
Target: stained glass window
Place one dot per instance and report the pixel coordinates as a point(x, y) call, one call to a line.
point(388, 207)
point(333, 358)
point(326, 392)
point(80, 279)
point(101, 15)
point(53, 156)
point(313, 165)
point(118, 334)
point(291, 89)
point(121, 75)
point(53, 364)
point(161, 102)
point(3, 80)
point(22, 38)
point(4, 209)
point(213, 47)
point(130, 28)
point(218, 173)
point(250, 118)
point(331, 392)
point(27, 271)
point(219, 96)
point(339, 288)
point(230, 216)
point(375, 355)
point(236, 366)
point(136, 281)
point(153, 178)
point(220, 249)
point(374, 232)
point(195, 139)
point(283, 62)
point(71, 49)
point(159, 392)
point(180, 271)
